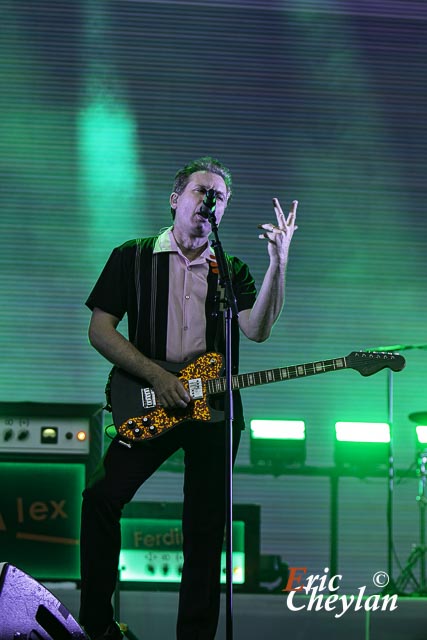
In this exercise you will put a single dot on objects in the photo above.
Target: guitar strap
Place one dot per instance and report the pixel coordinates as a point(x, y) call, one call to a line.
point(137, 286)
point(215, 317)
point(142, 251)
point(213, 310)
point(153, 295)
point(151, 277)
point(153, 302)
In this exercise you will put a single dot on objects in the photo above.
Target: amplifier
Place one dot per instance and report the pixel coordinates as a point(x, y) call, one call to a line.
point(56, 434)
point(47, 451)
point(152, 546)
point(36, 431)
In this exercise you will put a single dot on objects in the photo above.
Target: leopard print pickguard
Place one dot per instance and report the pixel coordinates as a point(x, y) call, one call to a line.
point(158, 420)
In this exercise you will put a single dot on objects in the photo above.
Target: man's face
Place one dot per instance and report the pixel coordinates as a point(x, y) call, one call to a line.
point(187, 204)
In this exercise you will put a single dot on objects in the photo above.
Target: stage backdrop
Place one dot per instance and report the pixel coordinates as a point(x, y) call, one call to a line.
point(102, 101)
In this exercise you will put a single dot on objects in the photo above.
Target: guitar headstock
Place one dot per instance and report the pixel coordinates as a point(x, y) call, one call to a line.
point(370, 362)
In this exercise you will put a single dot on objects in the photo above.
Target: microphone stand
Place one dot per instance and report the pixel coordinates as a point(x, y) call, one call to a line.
point(229, 312)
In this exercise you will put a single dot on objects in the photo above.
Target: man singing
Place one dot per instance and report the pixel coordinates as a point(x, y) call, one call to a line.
point(167, 285)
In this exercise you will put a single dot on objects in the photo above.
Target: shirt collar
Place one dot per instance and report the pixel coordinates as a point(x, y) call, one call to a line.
point(166, 243)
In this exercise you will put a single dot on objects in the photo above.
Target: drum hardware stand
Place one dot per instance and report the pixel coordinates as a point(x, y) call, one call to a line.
point(392, 586)
point(418, 553)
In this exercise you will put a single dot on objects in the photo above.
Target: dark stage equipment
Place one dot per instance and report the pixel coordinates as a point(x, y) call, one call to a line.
point(29, 611)
point(46, 453)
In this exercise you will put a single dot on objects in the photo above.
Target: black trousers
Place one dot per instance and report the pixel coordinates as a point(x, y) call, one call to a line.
point(119, 475)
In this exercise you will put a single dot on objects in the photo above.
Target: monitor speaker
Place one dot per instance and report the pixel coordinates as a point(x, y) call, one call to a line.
point(29, 611)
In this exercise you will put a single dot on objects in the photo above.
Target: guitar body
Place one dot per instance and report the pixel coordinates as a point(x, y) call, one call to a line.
point(132, 396)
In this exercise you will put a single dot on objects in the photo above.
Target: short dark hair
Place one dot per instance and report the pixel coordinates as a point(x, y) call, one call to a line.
point(207, 163)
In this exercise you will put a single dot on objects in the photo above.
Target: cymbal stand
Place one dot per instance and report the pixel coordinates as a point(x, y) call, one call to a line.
point(407, 572)
point(418, 553)
point(391, 586)
point(422, 501)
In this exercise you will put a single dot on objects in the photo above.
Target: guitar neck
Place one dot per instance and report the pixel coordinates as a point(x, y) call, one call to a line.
point(244, 380)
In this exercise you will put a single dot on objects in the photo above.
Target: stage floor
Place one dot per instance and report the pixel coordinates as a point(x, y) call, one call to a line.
point(151, 616)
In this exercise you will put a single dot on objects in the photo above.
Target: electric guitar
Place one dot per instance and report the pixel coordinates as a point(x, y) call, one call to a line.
point(137, 416)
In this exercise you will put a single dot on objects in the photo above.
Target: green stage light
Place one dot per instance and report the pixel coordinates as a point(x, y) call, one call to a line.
point(362, 446)
point(362, 431)
point(277, 443)
point(421, 431)
point(278, 429)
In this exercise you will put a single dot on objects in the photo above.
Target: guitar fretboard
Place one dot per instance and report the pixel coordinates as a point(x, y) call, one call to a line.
point(244, 380)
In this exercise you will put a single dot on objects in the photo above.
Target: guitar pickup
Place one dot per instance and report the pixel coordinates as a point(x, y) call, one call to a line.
point(195, 388)
point(148, 398)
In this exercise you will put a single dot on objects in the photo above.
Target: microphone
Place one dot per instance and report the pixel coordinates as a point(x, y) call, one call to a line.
point(209, 204)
